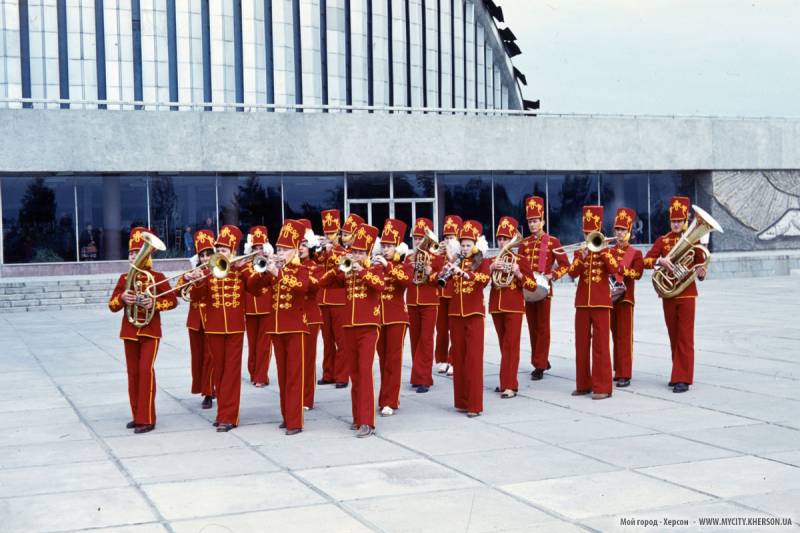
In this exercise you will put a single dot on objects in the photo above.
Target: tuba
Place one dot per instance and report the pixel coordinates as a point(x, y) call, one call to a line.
point(422, 256)
point(139, 289)
point(669, 284)
point(506, 259)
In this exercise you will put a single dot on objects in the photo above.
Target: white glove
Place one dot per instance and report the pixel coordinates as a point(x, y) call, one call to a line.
point(312, 241)
point(482, 245)
point(194, 260)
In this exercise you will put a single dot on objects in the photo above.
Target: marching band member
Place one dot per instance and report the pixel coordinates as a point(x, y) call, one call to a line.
point(308, 247)
point(507, 305)
point(257, 308)
point(538, 250)
point(470, 276)
point(592, 311)
point(225, 323)
point(141, 343)
point(288, 327)
point(394, 313)
point(631, 266)
point(422, 300)
point(679, 311)
point(202, 368)
point(363, 284)
point(451, 246)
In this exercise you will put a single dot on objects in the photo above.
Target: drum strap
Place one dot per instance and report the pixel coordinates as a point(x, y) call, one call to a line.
point(544, 248)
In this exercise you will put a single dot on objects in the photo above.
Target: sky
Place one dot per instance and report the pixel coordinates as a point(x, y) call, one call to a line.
point(659, 57)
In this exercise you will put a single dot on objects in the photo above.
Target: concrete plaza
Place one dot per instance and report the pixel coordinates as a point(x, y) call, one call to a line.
point(544, 461)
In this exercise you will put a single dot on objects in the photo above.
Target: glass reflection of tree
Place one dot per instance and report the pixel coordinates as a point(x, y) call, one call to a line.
point(165, 210)
point(575, 193)
point(256, 204)
point(38, 238)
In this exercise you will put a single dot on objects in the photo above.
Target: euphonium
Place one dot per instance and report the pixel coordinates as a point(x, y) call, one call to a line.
point(422, 256)
point(669, 284)
point(139, 289)
point(506, 259)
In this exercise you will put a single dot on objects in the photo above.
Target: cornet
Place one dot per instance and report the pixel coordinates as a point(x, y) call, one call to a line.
point(594, 242)
point(346, 264)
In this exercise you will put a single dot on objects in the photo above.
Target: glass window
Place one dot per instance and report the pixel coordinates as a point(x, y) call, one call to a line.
point(10, 70)
point(283, 51)
point(38, 219)
point(337, 72)
point(253, 50)
point(119, 51)
point(189, 27)
point(663, 186)
point(249, 200)
point(179, 205)
point(43, 38)
point(306, 196)
point(368, 185)
point(108, 207)
point(155, 53)
point(567, 194)
point(469, 196)
point(413, 185)
point(626, 190)
point(510, 191)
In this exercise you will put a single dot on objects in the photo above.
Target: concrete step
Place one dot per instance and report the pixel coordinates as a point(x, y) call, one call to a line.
point(53, 294)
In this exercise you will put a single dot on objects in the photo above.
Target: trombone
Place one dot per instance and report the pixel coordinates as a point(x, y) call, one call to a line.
point(218, 266)
point(594, 242)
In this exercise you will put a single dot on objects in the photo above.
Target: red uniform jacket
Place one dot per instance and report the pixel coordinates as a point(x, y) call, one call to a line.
point(510, 299)
point(289, 289)
point(315, 271)
point(631, 271)
point(428, 292)
point(362, 294)
point(163, 303)
point(396, 277)
point(195, 318)
point(332, 295)
point(661, 248)
point(594, 270)
point(468, 291)
point(531, 248)
point(224, 299)
point(260, 302)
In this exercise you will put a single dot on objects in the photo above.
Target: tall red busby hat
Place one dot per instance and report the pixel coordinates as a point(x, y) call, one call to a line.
point(592, 218)
point(394, 231)
point(203, 240)
point(471, 229)
point(258, 235)
point(352, 222)
point(624, 218)
point(452, 223)
point(229, 236)
point(135, 241)
point(364, 238)
point(421, 226)
point(291, 234)
point(534, 207)
point(507, 227)
point(679, 208)
point(306, 223)
point(331, 221)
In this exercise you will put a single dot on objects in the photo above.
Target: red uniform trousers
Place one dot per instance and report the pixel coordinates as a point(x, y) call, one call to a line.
point(202, 369)
point(140, 359)
point(258, 348)
point(622, 335)
point(390, 355)
point(592, 325)
point(509, 328)
point(679, 316)
point(538, 317)
point(335, 365)
point(422, 320)
point(226, 352)
point(443, 353)
point(310, 365)
point(289, 359)
point(467, 335)
point(361, 343)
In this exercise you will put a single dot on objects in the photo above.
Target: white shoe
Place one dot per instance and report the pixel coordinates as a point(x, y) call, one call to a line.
point(306, 408)
point(442, 368)
point(387, 411)
point(449, 370)
point(508, 393)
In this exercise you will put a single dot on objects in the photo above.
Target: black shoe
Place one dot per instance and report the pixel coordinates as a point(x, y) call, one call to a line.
point(224, 428)
point(130, 425)
point(623, 382)
point(215, 424)
point(671, 384)
point(537, 374)
point(681, 387)
point(422, 389)
point(283, 425)
point(325, 382)
point(413, 386)
point(497, 389)
point(341, 385)
point(144, 429)
point(206, 402)
point(293, 431)
point(615, 379)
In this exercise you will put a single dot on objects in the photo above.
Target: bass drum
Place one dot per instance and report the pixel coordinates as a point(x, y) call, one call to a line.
point(540, 292)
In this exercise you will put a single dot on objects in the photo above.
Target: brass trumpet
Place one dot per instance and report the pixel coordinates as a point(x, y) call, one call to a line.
point(346, 264)
point(594, 242)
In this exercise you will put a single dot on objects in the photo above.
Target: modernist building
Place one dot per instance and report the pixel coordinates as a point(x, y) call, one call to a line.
point(194, 113)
